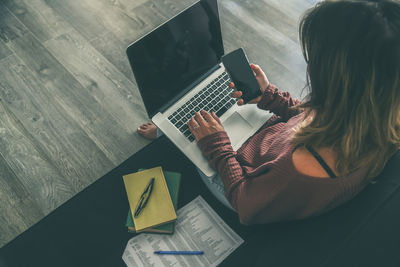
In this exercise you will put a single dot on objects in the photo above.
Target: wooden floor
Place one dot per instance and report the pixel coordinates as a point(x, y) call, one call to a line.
point(69, 106)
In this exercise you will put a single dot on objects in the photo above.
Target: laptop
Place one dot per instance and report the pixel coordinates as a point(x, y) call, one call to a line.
point(178, 70)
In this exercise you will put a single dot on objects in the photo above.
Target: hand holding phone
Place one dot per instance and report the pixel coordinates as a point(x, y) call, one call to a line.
point(262, 81)
point(242, 75)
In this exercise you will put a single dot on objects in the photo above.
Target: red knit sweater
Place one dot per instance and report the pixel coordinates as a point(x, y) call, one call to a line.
point(260, 180)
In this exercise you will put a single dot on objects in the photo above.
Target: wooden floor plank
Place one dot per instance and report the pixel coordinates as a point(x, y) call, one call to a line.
point(58, 138)
point(19, 149)
point(38, 17)
point(110, 88)
point(155, 12)
point(275, 17)
point(75, 153)
point(107, 85)
point(80, 102)
point(104, 23)
point(293, 9)
point(18, 210)
point(4, 51)
point(80, 16)
point(124, 27)
point(126, 4)
point(114, 51)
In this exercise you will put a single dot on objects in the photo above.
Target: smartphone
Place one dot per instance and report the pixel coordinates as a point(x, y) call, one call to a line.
point(238, 68)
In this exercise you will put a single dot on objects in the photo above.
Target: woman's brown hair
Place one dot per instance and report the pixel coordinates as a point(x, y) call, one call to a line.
point(352, 49)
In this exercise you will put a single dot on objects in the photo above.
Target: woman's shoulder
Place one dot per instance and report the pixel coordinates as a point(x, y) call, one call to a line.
point(306, 163)
point(307, 168)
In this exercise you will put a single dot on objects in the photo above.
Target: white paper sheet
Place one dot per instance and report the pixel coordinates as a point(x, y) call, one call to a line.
point(198, 228)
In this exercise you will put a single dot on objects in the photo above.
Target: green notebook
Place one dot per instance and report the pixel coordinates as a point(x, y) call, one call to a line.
point(173, 181)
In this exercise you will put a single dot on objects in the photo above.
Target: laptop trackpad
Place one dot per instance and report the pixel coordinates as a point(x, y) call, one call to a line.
point(237, 128)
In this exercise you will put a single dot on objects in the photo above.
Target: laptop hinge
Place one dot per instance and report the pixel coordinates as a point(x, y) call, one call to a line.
point(181, 94)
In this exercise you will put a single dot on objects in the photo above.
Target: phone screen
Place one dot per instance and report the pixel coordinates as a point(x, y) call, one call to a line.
point(241, 74)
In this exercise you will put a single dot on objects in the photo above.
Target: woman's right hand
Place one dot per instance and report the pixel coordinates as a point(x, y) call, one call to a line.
point(262, 82)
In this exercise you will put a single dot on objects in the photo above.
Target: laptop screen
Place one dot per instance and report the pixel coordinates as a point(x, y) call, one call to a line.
point(170, 58)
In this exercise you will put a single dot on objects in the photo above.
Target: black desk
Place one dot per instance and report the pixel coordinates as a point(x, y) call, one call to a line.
point(89, 230)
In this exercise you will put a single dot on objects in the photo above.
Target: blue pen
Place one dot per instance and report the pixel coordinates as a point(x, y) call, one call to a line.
point(162, 252)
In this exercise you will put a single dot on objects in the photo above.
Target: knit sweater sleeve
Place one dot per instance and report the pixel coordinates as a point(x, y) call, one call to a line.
point(278, 102)
point(218, 150)
point(249, 197)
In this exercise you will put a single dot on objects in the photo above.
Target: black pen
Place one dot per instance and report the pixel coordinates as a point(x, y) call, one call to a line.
point(144, 198)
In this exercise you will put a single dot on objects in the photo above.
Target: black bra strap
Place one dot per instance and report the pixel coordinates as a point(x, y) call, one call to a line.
point(321, 161)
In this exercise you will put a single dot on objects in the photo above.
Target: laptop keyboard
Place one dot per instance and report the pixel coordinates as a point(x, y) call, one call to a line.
point(215, 97)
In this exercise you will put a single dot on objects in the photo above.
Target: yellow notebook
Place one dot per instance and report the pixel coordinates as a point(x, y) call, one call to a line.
point(159, 208)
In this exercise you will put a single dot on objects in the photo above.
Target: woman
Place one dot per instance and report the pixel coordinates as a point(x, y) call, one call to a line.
point(314, 156)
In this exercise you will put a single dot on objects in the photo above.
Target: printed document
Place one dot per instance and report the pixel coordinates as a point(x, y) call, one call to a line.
point(198, 228)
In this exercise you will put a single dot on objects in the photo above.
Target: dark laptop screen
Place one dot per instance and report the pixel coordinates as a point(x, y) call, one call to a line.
point(166, 61)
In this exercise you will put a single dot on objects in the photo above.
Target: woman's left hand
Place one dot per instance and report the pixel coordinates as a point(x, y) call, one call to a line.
point(204, 124)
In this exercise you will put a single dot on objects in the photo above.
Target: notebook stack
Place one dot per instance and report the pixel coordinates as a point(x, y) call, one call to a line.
point(158, 215)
